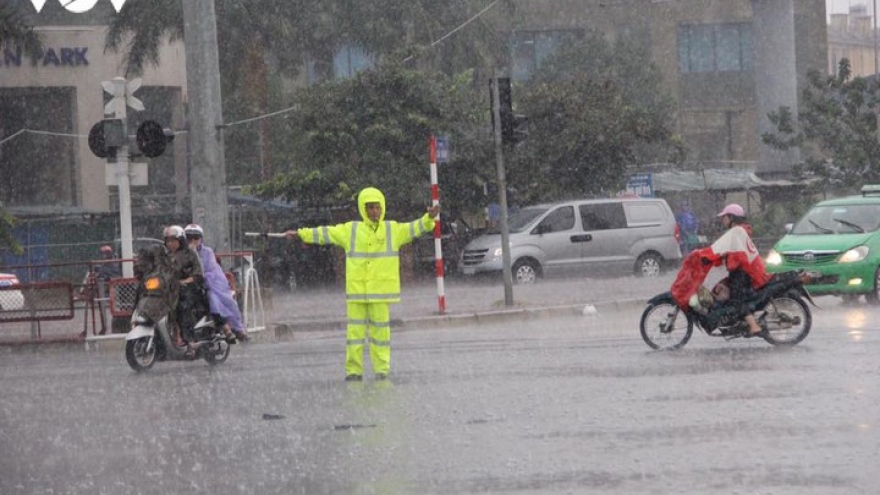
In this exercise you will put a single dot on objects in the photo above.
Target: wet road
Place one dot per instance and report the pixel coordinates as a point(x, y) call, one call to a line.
point(546, 406)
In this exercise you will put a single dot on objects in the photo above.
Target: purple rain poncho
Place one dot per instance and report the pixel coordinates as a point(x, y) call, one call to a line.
point(219, 293)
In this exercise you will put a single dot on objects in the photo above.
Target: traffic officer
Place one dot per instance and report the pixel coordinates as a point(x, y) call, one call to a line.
point(372, 275)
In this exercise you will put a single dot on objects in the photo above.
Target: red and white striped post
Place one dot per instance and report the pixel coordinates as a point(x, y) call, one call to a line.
point(438, 247)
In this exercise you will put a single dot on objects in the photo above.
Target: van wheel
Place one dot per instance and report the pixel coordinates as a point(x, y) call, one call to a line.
point(873, 297)
point(649, 265)
point(525, 271)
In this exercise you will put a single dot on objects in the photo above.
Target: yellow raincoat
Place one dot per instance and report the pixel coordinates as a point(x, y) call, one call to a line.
point(372, 276)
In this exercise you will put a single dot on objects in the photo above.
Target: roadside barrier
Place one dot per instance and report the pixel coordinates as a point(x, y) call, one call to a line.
point(103, 306)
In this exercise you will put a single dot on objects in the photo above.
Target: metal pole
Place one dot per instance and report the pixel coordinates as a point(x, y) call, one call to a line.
point(874, 30)
point(438, 238)
point(502, 196)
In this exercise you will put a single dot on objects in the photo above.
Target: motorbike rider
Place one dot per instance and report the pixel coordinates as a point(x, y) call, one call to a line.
point(741, 258)
point(220, 298)
point(188, 294)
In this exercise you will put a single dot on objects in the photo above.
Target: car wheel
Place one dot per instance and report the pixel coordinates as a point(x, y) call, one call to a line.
point(873, 297)
point(525, 271)
point(649, 265)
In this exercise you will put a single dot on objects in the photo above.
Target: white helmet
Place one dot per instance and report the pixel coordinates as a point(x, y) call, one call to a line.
point(194, 230)
point(175, 231)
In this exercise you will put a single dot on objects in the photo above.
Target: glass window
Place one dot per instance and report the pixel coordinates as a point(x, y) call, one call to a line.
point(643, 214)
point(530, 48)
point(602, 216)
point(558, 220)
point(715, 48)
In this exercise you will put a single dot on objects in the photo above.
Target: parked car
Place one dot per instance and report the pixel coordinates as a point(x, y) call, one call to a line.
point(454, 235)
point(840, 239)
point(623, 235)
point(11, 299)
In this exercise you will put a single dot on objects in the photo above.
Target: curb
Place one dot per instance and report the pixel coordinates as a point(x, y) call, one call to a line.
point(287, 330)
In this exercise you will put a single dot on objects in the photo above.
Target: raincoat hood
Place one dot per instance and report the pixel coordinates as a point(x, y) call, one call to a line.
point(370, 195)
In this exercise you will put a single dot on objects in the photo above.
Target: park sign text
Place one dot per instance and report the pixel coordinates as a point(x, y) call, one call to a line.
point(78, 6)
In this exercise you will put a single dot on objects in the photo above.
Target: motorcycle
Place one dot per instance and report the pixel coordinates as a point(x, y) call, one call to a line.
point(780, 307)
point(150, 338)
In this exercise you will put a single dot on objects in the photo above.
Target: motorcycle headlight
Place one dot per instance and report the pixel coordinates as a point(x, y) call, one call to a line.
point(773, 258)
point(855, 254)
point(153, 283)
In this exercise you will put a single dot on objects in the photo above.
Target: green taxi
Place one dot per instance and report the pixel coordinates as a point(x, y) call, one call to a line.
point(838, 238)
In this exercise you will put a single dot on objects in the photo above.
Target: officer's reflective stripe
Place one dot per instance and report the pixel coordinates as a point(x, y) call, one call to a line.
point(353, 242)
point(389, 247)
point(321, 236)
point(354, 342)
point(363, 297)
point(358, 322)
point(412, 228)
point(380, 343)
point(383, 254)
point(380, 324)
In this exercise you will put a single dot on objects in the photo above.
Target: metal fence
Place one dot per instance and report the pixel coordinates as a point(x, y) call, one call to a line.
point(91, 306)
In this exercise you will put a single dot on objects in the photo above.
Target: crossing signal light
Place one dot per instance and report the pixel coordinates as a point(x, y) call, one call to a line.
point(152, 139)
point(106, 136)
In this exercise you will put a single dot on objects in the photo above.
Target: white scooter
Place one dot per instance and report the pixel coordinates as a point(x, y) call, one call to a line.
point(150, 341)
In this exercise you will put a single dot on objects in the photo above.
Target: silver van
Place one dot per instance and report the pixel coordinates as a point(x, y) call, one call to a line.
point(623, 235)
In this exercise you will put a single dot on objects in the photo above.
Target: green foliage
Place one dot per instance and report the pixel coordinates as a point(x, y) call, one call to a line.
point(838, 124)
point(373, 130)
point(7, 240)
point(593, 110)
point(15, 32)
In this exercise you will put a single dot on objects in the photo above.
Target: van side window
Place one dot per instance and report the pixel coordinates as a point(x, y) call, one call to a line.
point(644, 214)
point(560, 219)
point(602, 216)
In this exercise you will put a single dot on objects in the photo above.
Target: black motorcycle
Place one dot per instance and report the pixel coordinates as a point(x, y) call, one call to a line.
point(780, 307)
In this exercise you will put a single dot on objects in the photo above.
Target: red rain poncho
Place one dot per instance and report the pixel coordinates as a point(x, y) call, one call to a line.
point(735, 247)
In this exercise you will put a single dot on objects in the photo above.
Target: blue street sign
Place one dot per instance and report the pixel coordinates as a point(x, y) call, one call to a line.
point(442, 149)
point(641, 185)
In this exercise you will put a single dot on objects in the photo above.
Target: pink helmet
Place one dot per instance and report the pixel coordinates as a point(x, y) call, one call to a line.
point(733, 209)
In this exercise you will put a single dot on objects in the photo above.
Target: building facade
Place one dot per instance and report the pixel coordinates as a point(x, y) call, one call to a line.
point(850, 36)
point(727, 63)
point(48, 105)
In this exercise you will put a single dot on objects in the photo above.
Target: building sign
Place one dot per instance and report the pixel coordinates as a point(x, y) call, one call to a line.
point(641, 185)
point(57, 57)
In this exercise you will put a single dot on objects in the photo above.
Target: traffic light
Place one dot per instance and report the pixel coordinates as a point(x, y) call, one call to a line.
point(514, 127)
point(152, 138)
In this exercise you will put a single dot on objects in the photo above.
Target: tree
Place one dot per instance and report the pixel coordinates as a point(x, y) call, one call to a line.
point(16, 32)
point(373, 129)
point(594, 109)
point(837, 126)
point(292, 32)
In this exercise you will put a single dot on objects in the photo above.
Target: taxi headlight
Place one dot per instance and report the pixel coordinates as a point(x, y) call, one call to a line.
point(774, 258)
point(855, 254)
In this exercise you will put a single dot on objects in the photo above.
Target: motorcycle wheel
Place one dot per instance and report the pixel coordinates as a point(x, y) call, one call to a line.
point(215, 355)
point(139, 354)
point(788, 320)
point(665, 326)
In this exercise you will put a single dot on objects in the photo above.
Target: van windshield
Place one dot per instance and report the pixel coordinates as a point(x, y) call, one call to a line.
point(839, 219)
point(520, 219)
